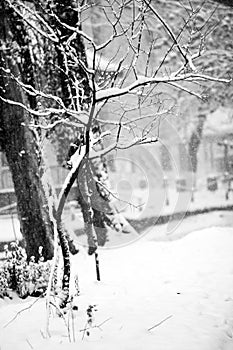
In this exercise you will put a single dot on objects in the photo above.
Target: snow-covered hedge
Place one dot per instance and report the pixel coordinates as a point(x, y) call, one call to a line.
point(17, 274)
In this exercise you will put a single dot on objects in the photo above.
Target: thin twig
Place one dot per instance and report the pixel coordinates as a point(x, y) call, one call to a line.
point(116, 197)
point(72, 320)
point(53, 266)
point(19, 312)
point(29, 344)
point(101, 324)
point(96, 326)
point(42, 334)
point(84, 330)
point(158, 324)
point(60, 313)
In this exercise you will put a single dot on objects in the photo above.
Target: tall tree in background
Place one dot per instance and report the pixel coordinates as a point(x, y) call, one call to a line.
point(215, 24)
point(194, 142)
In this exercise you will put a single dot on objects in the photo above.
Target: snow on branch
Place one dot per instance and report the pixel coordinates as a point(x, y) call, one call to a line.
point(53, 125)
point(102, 95)
point(32, 91)
point(77, 161)
point(47, 111)
point(135, 142)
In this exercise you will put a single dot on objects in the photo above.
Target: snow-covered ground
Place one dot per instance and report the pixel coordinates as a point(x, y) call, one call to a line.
point(173, 295)
point(155, 204)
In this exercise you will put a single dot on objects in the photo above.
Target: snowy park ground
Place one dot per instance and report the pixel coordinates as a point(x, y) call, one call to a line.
point(169, 288)
point(170, 295)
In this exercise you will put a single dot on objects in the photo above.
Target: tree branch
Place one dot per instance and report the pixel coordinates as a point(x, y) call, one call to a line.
point(102, 95)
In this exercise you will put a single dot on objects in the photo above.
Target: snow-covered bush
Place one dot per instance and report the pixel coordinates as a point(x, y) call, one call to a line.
point(26, 278)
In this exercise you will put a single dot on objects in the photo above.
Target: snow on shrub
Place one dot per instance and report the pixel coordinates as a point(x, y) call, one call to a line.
point(26, 278)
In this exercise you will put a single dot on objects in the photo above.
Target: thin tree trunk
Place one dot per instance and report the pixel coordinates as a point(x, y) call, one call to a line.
point(84, 200)
point(69, 72)
point(67, 13)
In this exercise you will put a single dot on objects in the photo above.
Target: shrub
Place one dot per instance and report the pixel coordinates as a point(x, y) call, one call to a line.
point(26, 278)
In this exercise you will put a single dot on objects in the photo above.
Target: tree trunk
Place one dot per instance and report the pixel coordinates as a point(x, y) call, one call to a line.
point(21, 149)
point(102, 210)
point(194, 143)
point(68, 14)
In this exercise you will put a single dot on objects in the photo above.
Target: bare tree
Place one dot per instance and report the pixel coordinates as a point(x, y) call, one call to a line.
point(131, 84)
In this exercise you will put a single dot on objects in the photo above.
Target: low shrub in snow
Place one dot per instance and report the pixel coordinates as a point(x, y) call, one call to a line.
point(26, 278)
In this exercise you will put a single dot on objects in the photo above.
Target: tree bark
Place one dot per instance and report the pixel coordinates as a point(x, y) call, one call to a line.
point(22, 152)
